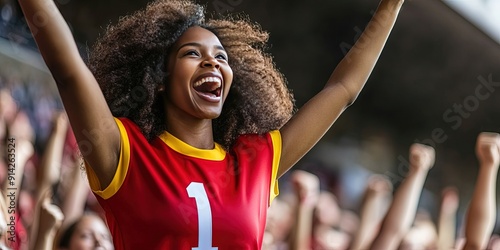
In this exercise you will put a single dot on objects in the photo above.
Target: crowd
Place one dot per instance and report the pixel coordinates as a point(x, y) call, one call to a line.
point(173, 155)
point(46, 199)
point(312, 218)
point(45, 195)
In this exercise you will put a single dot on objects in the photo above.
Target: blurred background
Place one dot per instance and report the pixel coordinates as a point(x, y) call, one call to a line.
point(437, 81)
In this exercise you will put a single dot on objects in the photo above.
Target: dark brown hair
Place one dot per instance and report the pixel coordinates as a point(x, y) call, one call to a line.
point(129, 64)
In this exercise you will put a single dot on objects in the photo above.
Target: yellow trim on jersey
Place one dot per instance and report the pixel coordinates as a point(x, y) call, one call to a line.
point(121, 169)
point(91, 175)
point(216, 154)
point(276, 138)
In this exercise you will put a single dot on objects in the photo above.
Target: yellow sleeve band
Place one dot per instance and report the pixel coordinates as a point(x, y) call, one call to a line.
point(121, 169)
point(276, 139)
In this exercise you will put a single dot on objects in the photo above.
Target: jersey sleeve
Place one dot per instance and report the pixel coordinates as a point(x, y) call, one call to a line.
point(121, 170)
point(276, 143)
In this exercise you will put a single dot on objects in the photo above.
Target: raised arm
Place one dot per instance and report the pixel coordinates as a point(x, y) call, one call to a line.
point(482, 208)
point(89, 115)
point(344, 85)
point(19, 149)
point(447, 218)
point(49, 220)
point(402, 211)
point(306, 187)
point(49, 170)
point(73, 204)
point(378, 195)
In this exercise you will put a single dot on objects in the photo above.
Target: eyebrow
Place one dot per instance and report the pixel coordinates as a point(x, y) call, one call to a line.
point(219, 47)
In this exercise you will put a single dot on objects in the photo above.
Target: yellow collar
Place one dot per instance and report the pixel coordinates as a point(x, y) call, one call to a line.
point(216, 154)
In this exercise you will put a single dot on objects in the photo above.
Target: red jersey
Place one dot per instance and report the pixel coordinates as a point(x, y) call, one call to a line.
point(167, 194)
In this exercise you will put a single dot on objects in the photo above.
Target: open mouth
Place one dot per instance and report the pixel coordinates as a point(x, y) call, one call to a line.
point(209, 87)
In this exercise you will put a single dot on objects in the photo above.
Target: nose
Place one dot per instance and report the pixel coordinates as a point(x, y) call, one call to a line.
point(210, 62)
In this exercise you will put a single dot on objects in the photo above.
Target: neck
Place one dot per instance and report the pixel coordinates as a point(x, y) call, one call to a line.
point(195, 132)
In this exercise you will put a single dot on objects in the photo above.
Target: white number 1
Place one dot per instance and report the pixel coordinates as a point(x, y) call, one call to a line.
point(197, 191)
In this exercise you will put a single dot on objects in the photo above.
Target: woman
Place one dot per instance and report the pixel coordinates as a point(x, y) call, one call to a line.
point(88, 232)
point(171, 165)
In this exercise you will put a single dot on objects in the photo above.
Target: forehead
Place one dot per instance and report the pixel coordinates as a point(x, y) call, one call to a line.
point(91, 223)
point(199, 35)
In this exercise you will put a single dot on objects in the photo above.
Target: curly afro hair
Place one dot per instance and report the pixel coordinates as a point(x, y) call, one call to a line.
point(129, 63)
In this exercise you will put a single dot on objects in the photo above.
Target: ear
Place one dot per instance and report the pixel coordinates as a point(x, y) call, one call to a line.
point(161, 88)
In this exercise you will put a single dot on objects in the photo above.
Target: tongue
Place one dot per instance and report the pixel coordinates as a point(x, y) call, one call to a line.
point(207, 87)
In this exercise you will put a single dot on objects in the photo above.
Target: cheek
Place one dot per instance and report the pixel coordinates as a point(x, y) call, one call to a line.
point(183, 70)
point(109, 246)
point(174, 90)
point(228, 80)
point(178, 82)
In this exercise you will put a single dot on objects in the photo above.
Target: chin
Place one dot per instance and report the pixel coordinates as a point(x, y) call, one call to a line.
point(215, 116)
point(209, 115)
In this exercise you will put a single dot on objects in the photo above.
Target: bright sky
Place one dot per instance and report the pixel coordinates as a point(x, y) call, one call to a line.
point(483, 13)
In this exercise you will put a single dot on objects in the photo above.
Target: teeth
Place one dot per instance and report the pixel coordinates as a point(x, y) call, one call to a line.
point(208, 79)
